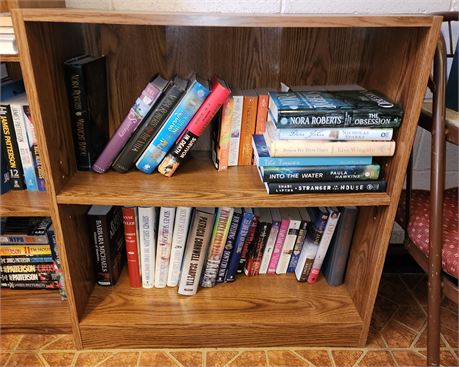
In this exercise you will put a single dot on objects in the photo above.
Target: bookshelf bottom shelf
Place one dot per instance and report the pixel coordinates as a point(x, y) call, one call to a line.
point(258, 311)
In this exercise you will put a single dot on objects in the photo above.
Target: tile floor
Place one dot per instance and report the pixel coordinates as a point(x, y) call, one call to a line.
point(397, 338)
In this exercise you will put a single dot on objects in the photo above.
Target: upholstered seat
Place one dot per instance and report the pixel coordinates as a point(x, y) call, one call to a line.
point(451, 121)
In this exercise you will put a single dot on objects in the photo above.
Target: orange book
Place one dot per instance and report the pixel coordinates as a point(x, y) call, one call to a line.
point(249, 119)
point(225, 134)
point(262, 112)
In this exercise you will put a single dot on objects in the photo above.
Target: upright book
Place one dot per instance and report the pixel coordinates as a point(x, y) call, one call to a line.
point(164, 245)
point(305, 221)
point(248, 122)
point(132, 246)
point(264, 227)
point(148, 218)
point(86, 79)
point(270, 243)
point(294, 218)
point(221, 135)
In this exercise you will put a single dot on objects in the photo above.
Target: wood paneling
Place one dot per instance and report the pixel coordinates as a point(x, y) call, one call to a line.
point(22, 203)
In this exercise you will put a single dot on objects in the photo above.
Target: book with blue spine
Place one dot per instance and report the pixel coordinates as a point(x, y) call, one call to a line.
point(174, 125)
point(262, 158)
point(235, 256)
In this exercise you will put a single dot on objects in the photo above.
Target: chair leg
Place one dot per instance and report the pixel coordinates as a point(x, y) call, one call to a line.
point(437, 185)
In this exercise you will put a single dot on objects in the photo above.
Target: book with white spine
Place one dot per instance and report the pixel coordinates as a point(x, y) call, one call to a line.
point(294, 216)
point(164, 244)
point(182, 222)
point(147, 218)
point(236, 120)
point(196, 247)
point(271, 241)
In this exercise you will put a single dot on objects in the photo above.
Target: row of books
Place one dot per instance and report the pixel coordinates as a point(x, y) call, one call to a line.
point(21, 166)
point(159, 130)
point(188, 247)
point(29, 257)
point(325, 140)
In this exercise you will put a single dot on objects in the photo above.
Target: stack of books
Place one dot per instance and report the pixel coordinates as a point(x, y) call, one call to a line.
point(28, 254)
point(189, 248)
point(325, 141)
point(7, 37)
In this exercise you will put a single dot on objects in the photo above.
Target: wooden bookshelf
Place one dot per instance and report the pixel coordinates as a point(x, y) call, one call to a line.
point(389, 54)
point(23, 203)
point(9, 58)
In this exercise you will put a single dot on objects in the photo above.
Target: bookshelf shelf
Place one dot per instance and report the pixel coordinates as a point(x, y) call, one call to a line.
point(238, 186)
point(232, 313)
point(9, 58)
point(22, 203)
point(33, 311)
point(261, 51)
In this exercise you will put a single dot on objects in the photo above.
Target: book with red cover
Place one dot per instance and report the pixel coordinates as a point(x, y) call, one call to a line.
point(132, 250)
point(200, 121)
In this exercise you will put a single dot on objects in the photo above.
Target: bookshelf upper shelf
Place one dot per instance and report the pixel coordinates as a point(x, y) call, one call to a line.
point(19, 203)
point(224, 20)
point(9, 58)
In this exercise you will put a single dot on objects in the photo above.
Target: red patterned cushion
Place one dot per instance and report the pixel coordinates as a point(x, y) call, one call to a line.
point(418, 229)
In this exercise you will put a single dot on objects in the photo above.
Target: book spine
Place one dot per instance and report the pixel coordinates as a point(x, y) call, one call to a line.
point(147, 238)
point(262, 114)
point(248, 244)
point(323, 246)
point(5, 173)
point(287, 248)
point(196, 248)
point(19, 250)
point(57, 262)
point(27, 277)
point(236, 121)
point(230, 243)
point(16, 239)
point(163, 249)
point(28, 268)
point(132, 251)
point(31, 285)
point(200, 121)
point(223, 145)
point(26, 259)
point(217, 245)
point(349, 186)
point(269, 248)
point(24, 147)
point(147, 130)
point(99, 229)
point(297, 248)
point(33, 142)
point(278, 246)
point(260, 245)
point(182, 222)
point(12, 150)
point(176, 122)
point(321, 173)
point(249, 119)
point(136, 114)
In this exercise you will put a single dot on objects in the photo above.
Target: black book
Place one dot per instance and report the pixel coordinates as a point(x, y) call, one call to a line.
point(107, 231)
point(325, 187)
point(334, 265)
point(9, 141)
point(24, 230)
point(86, 80)
point(5, 172)
point(145, 133)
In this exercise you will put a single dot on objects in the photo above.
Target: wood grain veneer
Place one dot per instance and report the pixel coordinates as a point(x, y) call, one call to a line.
point(9, 58)
point(22, 203)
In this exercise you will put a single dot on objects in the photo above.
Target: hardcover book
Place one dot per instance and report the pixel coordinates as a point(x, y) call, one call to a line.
point(294, 218)
point(195, 251)
point(236, 121)
point(248, 243)
point(164, 245)
point(305, 220)
point(21, 250)
point(46, 284)
point(5, 173)
point(106, 227)
point(24, 230)
point(262, 111)
point(175, 123)
point(334, 108)
point(86, 79)
point(57, 261)
point(279, 244)
point(147, 242)
point(324, 187)
point(27, 277)
point(249, 119)
point(28, 268)
point(27, 259)
point(130, 220)
point(140, 109)
point(253, 263)
point(270, 243)
point(220, 136)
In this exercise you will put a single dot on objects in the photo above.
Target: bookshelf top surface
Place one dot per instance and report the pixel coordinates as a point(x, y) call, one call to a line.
point(224, 19)
point(24, 203)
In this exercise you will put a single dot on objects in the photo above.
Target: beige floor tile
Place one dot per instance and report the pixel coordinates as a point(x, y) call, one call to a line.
point(318, 358)
point(284, 358)
point(383, 311)
point(35, 341)
point(422, 341)
point(156, 359)
point(3, 358)
point(90, 359)
point(124, 359)
point(346, 358)
point(409, 358)
point(375, 339)
point(377, 359)
point(411, 316)
point(397, 335)
point(447, 358)
point(219, 358)
point(64, 342)
point(250, 359)
point(188, 358)
point(58, 359)
point(9, 341)
point(25, 360)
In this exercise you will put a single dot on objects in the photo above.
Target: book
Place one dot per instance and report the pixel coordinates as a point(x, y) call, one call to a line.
point(305, 220)
point(324, 244)
point(22, 140)
point(333, 108)
point(217, 245)
point(262, 158)
point(236, 121)
point(248, 243)
point(294, 218)
point(280, 239)
point(148, 128)
point(181, 225)
point(334, 265)
point(4, 172)
point(106, 227)
point(147, 242)
point(164, 245)
point(235, 257)
point(27, 259)
point(324, 187)
point(33, 142)
point(27, 277)
point(86, 79)
point(221, 135)
point(57, 261)
point(196, 248)
point(345, 133)
point(252, 265)
point(132, 246)
point(24, 230)
point(12, 150)
point(47, 284)
point(175, 123)
point(320, 173)
point(270, 243)
point(20, 250)
point(319, 218)
point(249, 119)
point(200, 121)
point(262, 111)
point(28, 268)
point(230, 243)
point(139, 110)
point(311, 148)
